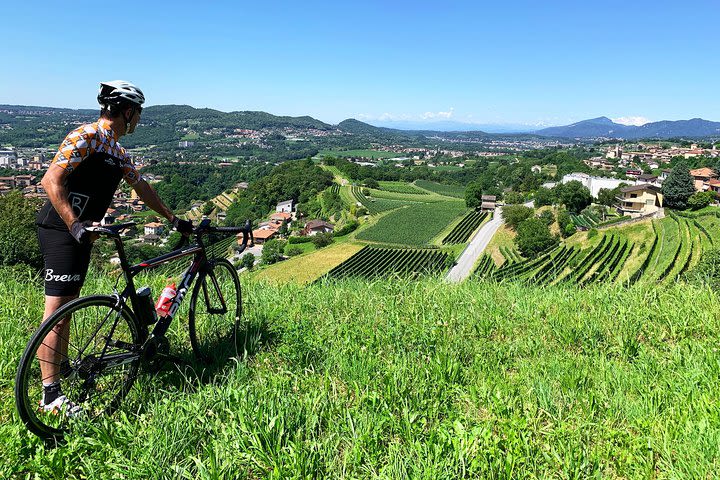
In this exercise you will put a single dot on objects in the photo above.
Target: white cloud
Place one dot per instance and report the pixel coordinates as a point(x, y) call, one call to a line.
point(635, 121)
point(404, 117)
point(438, 115)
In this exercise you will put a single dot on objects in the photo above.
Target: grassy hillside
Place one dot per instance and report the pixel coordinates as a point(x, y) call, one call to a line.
point(394, 379)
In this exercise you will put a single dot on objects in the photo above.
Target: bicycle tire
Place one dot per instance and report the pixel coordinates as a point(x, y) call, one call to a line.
point(88, 378)
point(214, 333)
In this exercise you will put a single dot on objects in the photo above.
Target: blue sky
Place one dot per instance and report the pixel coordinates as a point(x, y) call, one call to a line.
point(510, 62)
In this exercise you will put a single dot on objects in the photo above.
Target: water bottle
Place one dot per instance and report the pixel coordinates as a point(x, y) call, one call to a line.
point(146, 311)
point(162, 307)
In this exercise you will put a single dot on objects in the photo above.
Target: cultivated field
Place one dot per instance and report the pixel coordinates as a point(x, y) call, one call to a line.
point(395, 379)
point(415, 225)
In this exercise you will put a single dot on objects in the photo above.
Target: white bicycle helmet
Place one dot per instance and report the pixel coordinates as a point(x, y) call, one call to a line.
point(118, 92)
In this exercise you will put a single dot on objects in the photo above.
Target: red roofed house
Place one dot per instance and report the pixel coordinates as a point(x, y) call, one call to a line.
point(714, 185)
point(261, 235)
point(153, 228)
point(313, 227)
point(281, 217)
point(701, 176)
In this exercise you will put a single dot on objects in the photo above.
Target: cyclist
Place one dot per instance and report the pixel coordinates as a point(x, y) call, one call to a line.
point(80, 184)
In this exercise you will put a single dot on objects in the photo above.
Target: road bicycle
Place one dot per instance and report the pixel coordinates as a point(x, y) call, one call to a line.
point(109, 337)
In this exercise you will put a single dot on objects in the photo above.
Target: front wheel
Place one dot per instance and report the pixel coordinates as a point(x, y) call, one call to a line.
point(88, 350)
point(215, 310)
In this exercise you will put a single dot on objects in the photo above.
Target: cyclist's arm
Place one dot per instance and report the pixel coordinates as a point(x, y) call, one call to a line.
point(54, 184)
point(148, 195)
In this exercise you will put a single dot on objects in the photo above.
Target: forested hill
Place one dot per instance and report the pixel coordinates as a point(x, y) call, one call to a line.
point(33, 126)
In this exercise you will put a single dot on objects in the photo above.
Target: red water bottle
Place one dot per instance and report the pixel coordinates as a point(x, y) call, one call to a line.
point(162, 307)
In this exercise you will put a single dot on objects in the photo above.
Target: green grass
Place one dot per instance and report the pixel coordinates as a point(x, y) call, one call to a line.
point(414, 225)
point(396, 379)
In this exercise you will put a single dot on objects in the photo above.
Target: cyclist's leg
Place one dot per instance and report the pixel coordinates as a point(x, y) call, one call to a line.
point(66, 263)
point(55, 346)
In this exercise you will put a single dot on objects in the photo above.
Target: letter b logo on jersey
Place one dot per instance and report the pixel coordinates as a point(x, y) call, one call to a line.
point(78, 201)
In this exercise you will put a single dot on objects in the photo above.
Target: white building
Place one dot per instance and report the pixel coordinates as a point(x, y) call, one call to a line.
point(594, 184)
point(286, 206)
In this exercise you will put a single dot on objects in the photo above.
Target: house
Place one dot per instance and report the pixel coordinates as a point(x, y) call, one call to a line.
point(313, 227)
point(281, 217)
point(638, 200)
point(286, 206)
point(664, 174)
point(260, 235)
point(153, 228)
point(714, 185)
point(701, 176)
point(649, 178)
point(488, 202)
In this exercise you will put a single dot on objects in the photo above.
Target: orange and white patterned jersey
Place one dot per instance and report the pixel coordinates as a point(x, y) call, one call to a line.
point(90, 139)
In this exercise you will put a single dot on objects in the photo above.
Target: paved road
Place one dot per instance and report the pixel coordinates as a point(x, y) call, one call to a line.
point(467, 259)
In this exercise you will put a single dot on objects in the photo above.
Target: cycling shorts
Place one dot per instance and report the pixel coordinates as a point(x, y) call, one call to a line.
point(66, 262)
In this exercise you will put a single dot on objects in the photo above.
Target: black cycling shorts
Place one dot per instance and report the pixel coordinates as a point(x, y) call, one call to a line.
point(66, 262)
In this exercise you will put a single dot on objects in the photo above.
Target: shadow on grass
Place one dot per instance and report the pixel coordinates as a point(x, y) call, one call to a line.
point(186, 370)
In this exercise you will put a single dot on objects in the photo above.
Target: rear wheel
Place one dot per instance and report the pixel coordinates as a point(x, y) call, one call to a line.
point(90, 346)
point(215, 310)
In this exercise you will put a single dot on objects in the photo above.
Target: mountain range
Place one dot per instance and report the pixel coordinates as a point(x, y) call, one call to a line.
point(603, 127)
point(169, 115)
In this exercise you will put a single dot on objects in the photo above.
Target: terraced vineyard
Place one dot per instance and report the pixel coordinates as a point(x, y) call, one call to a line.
point(376, 205)
point(511, 255)
point(439, 188)
point(585, 220)
point(462, 231)
point(601, 263)
point(373, 262)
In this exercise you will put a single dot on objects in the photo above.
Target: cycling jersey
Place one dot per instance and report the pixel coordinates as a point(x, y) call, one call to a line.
point(96, 163)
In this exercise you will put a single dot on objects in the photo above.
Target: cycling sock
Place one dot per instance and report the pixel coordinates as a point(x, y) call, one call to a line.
point(51, 392)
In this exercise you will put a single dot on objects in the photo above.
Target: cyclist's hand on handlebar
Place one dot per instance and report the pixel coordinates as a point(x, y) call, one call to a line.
point(183, 226)
point(80, 232)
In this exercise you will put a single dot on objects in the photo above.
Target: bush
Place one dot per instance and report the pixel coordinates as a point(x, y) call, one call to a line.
point(592, 233)
point(350, 226)
point(248, 261)
point(567, 227)
point(699, 200)
point(322, 240)
point(272, 251)
point(293, 251)
point(297, 239)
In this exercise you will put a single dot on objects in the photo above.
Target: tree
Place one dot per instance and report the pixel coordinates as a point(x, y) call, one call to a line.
point(547, 217)
point(272, 251)
point(247, 261)
point(514, 198)
point(567, 227)
point(608, 196)
point(534, 237)
point(208, 208)
point(575, 196)
point(514, 214)
point(473, 195)
point(18, 233)
point(544, 196)
point(371, 183)
point(678, 187)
